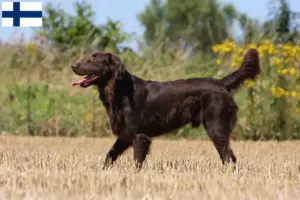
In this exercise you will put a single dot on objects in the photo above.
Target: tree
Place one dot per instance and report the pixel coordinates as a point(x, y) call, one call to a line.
point(284, 22)
point(65, 31)
point(250, 27)
point(154, 19)
point(194, 24)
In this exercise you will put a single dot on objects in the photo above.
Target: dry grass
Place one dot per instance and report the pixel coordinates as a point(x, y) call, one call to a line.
point(64, 168)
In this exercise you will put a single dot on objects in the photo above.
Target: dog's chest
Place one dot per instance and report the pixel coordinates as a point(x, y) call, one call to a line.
point(121, 116)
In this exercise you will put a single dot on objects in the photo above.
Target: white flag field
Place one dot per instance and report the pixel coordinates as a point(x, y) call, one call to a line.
point(21, 14)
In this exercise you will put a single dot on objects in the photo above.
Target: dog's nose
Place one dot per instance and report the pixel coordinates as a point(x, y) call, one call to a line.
point(75, 65)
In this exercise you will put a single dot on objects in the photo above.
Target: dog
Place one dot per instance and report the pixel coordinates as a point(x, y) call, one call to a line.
point(141, 109)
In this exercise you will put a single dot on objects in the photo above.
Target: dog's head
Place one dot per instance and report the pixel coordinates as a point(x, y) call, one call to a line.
point(99, 69)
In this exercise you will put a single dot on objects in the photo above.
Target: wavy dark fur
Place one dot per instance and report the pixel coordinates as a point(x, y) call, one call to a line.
point(140, 109)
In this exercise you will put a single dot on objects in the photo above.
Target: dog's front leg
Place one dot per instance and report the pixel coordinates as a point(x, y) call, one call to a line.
point(141, 147)
point(117, 149)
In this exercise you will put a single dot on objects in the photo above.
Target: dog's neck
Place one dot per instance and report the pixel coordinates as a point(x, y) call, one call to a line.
point(113, 95)
point(115, 90)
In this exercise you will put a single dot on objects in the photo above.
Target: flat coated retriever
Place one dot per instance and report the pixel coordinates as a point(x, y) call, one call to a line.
point(140, 109)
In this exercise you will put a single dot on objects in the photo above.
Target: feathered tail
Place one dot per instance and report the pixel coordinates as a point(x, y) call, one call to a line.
point(249, 69)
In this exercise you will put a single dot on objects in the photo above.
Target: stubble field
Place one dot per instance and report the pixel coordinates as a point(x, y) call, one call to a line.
point(71, 168)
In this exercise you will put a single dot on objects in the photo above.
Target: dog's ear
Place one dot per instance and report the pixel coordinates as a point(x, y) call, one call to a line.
point(118, 66)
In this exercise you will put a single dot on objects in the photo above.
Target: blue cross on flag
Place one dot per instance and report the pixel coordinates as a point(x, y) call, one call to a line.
point(22, 14)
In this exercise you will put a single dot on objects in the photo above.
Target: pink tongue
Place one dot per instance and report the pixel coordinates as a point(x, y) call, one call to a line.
point(79, 82)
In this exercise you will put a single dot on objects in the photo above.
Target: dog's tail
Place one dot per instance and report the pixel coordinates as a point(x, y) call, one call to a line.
point(249, 69)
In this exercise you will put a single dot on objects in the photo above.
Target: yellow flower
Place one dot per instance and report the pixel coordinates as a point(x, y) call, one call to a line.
point(265, 42)
point(266, 47)
point(239, 51)
point(94, 91)
point(278, 92)
point(218, 61)
point(281, 91)
point(31, 48)
point(249, 84)
point(234, 63)
point(293, 94)
point(228, 43)
point(236, 60)
point(277, 61)
point(273, 91)
point(292, 71)
point(284, 71)
point(289, 50)
point(271, 49)
point(250, 46)
point(298, 110)
point(216, 48)
point(261, 50)
point(226, 47)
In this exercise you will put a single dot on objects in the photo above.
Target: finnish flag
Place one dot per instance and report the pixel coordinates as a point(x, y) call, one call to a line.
point(22, 14)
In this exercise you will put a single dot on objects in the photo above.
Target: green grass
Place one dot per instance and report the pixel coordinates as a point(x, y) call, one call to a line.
point(38, 98)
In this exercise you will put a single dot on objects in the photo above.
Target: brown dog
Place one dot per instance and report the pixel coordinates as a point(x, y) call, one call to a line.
point(139, 109)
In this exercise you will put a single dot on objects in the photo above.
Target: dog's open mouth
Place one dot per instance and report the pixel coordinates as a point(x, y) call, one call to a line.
point(86, 81)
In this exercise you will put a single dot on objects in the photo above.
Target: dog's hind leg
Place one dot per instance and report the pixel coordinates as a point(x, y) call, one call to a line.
point(117, 149)
point(141, 147)
point(218, 124)
point(219, 134)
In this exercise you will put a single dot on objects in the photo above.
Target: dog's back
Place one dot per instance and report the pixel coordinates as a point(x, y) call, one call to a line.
point(140, 109)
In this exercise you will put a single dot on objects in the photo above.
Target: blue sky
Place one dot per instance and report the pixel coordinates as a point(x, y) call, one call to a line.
point(126, 11)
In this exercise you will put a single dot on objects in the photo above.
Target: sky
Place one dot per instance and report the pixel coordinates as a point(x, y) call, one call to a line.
point(127, 10)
